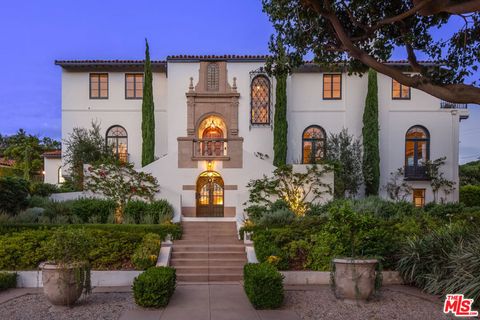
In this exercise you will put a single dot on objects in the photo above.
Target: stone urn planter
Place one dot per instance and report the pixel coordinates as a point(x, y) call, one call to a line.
point(62, 285)
point(354, 279)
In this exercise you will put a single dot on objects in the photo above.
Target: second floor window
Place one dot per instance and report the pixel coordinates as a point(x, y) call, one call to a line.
point(134, 86)
point(98, 85)
point(417, 152)
point(212, 77)
point(260, 100)
point(332, 86)
point(399, 91)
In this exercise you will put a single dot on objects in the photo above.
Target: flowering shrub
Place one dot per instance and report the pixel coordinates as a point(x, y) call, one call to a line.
point(121, 183)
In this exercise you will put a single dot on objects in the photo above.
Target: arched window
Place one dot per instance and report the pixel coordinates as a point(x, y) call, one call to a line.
point(117, 140)
point(260, 100)
point(417, 151)
point(313, 144)
point(212, 77)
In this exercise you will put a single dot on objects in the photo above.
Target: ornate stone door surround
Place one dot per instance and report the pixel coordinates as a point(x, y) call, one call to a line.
point(212, 95)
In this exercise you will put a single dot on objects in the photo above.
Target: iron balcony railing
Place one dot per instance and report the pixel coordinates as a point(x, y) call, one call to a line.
point(450, 105)
point(416, 172)
point(210, 148)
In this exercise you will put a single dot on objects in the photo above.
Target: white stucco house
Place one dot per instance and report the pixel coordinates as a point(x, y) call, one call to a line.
point(214, 123)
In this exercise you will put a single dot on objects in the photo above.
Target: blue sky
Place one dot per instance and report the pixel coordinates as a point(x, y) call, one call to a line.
point(35, 33)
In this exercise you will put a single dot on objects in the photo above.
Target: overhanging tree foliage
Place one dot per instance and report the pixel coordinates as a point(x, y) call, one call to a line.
point(280, 128)
point(362, 34)
point(148, 112)
point(371, 153)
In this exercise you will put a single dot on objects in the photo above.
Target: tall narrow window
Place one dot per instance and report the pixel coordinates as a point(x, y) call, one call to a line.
point(117, 140)
point(417, 152)
point(399, 91)
point(313, 144)
point(98, 85)
point(260, 100)
point(419, 197)
point(212, 77)
point(332, 86)
point(134, 85)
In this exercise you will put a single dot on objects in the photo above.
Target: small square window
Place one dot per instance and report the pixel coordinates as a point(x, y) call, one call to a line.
point(134, 86)
point(98, 85)
point(332, 86)
point(399, 91)
point(419, 197)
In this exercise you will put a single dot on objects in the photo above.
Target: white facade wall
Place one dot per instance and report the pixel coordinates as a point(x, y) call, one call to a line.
point(52, 174)
point(306, 107)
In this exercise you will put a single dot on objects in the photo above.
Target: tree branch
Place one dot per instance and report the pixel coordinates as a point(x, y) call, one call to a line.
point(459, 93)
point(449, 6)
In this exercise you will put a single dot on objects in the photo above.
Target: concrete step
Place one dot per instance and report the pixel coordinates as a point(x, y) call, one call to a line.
point(208, 255)
point(209, 277)
point(211, 241)
point(208, 248)
point(209, 270)
point(207, 262)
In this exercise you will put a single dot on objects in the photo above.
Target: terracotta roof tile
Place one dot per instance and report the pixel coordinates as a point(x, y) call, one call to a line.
point(52, 154)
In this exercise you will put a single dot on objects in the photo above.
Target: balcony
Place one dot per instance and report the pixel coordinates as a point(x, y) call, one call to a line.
point(450, 105)
point(210, 149)
point(416, 173)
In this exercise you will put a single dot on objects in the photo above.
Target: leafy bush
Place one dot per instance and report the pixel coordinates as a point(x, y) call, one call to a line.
point(146, 254)
point(266, 246)
point(470, 195)
point(277, 218)
point(443, 261)
point(38, 202)
point(13, 194)
point(154, 287)
point(43, 189)
point(91, 209)
point(161, 211)
point(69, 246)
point(30, 215)
point(23, 250)
point(263, 285)
point(135, 210)
point(57, 211)
point(7, 280)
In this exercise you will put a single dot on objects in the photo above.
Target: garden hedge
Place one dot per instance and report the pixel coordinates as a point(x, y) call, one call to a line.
point(163, 230)
point(470, 195)
point(7, 280)
point(263, 285)
point(154, 287)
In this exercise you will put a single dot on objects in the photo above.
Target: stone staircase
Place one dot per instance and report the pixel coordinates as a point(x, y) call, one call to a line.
point(208, 251)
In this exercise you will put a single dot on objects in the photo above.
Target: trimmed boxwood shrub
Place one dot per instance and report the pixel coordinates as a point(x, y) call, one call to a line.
point(470, 195)
point(263, 285)
point(154, 287)
point(7, 280)
point(13, 194)
point(146, 254)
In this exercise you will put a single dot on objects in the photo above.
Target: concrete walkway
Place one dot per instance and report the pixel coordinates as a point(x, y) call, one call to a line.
point(209, 301)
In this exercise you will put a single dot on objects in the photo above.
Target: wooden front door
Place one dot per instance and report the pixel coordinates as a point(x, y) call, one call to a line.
point(210, 195)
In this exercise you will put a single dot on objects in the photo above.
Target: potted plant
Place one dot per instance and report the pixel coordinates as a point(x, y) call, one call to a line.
point(67, 274)
point(354, 278)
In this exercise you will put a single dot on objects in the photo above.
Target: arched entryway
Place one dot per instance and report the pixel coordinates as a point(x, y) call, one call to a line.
point(210, 194)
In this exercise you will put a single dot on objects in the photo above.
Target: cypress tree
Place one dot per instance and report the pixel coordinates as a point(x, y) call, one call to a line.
point(148, 112)
point(280, 125)
point(371, 153)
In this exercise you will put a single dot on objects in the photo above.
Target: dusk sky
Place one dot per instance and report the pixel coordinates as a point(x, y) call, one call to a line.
point(35, 33)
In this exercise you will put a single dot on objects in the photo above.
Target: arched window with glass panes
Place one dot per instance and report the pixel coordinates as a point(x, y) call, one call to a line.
point(117, 141)
point(260, 101)
point(417, 152)
point(313, 144)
